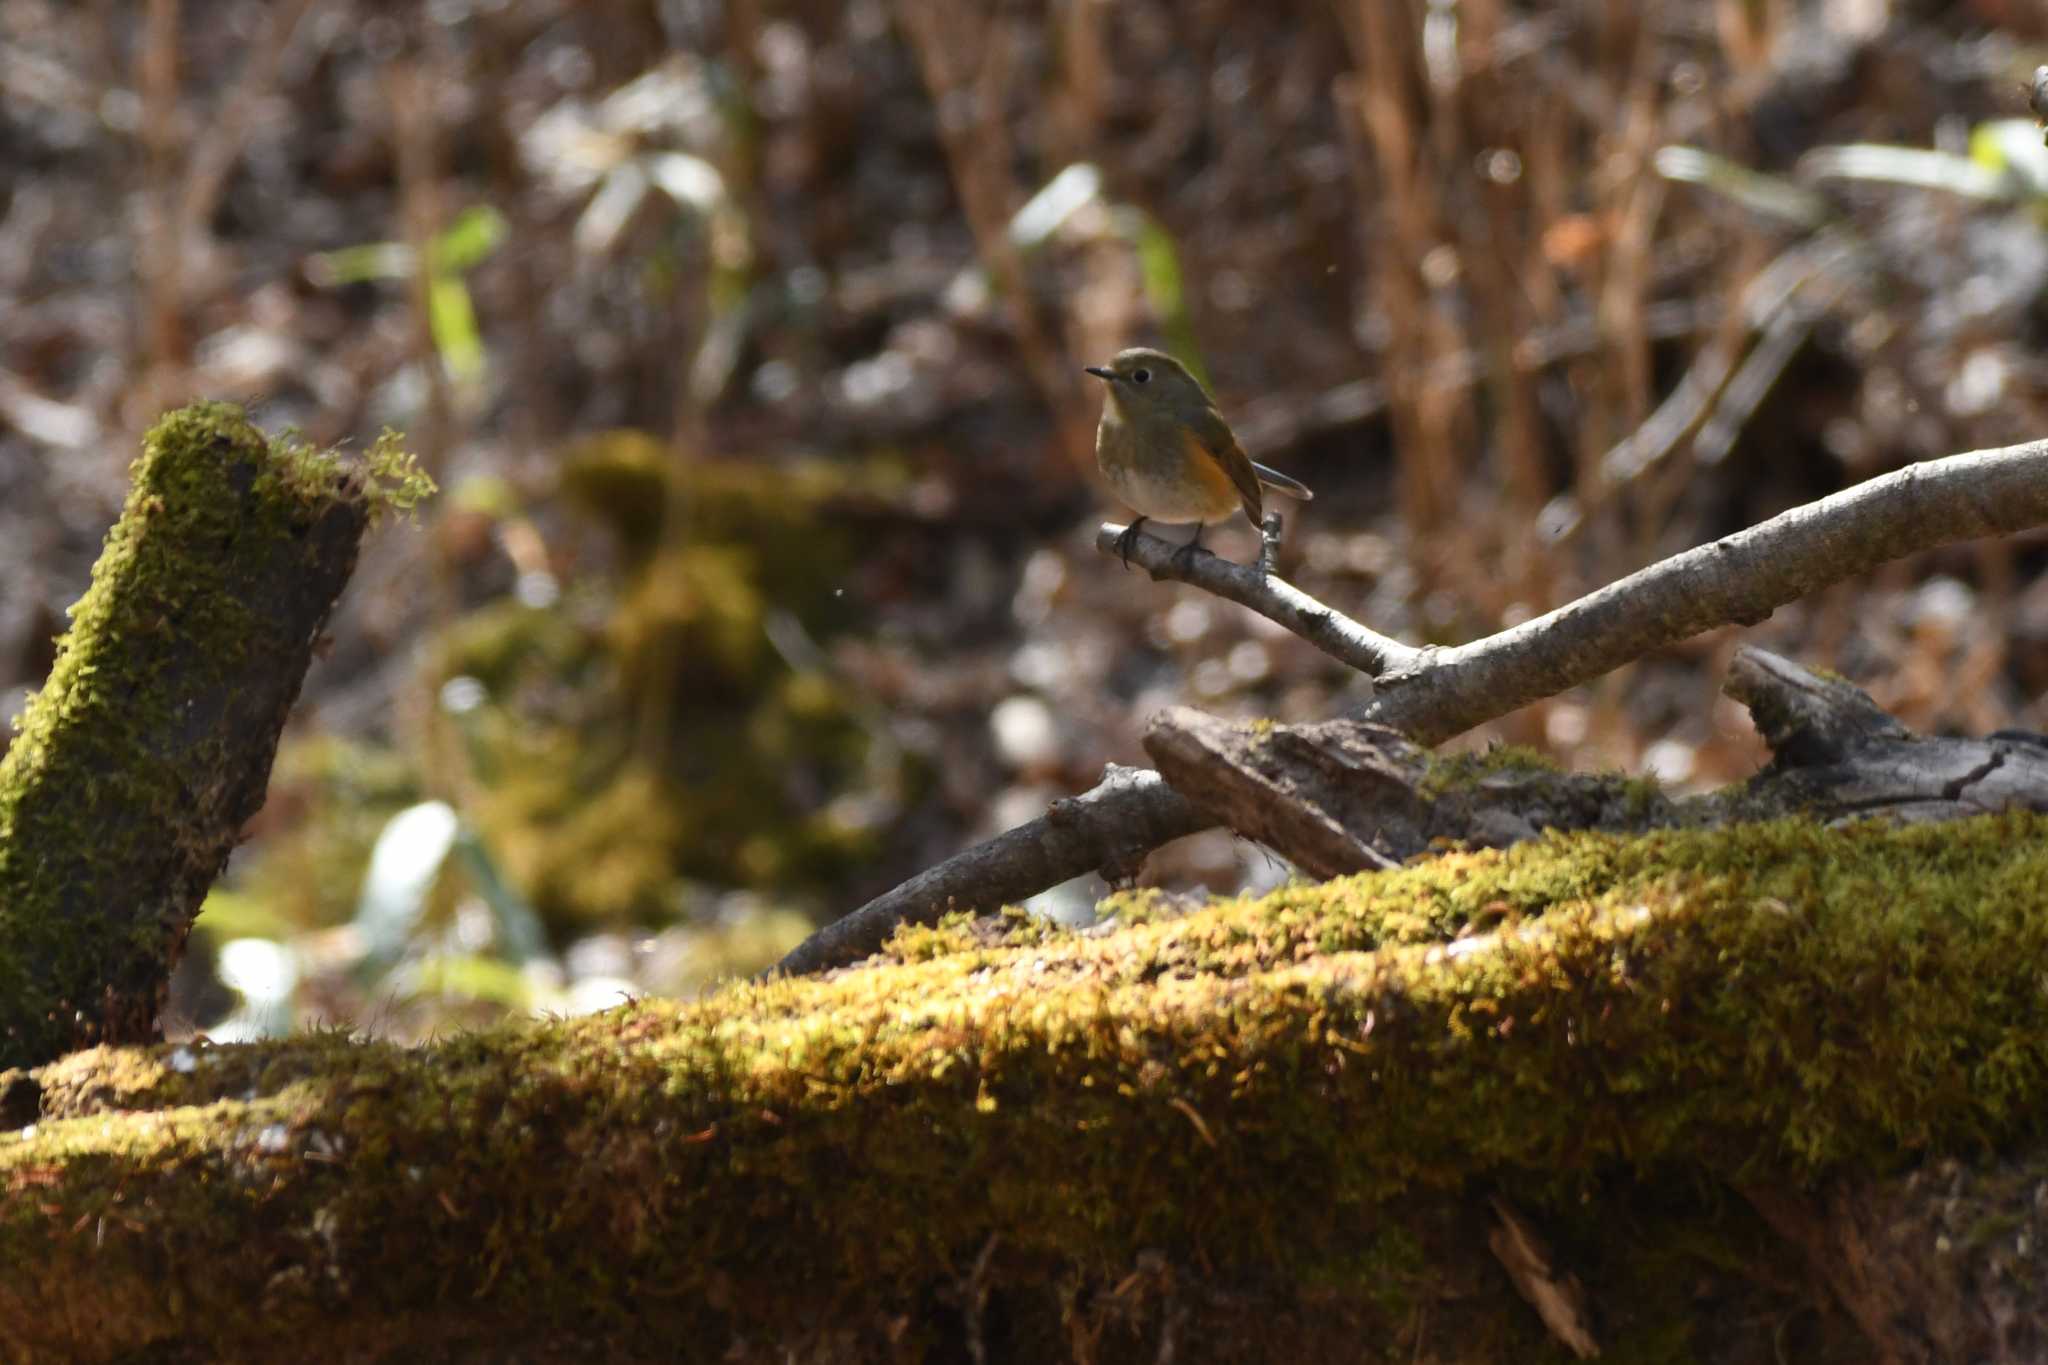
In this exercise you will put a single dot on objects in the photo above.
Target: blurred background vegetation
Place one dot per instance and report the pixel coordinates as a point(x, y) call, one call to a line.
point(744, 337)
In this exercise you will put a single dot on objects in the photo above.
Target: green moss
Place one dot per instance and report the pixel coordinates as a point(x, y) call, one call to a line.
point(389, 475)
point(611, 722)
point(607, 853)
point(961, 932)
point(627, 480)
point(1142, 905)
point(1300, 1099)
point(1449, 774)
point(140, 757)
point(614, 721)
point(397, 483)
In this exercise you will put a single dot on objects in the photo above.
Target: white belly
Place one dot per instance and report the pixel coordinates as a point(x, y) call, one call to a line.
point(1177, 499)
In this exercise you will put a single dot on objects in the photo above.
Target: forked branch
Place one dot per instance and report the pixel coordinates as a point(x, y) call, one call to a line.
point(1432, 694)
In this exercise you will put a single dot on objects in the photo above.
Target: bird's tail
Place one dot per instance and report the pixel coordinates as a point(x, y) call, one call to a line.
point(1280, 483)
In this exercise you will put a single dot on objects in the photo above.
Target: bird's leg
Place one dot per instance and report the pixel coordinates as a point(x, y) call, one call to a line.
point(1187, 551)
point(1128, 539)
point(1269, 541)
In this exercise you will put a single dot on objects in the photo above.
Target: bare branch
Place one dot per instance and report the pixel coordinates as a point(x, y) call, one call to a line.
point(1272, 597)
point(1343, 796)
point(1112, 826)
point(1741, 579)
point(1805, 718)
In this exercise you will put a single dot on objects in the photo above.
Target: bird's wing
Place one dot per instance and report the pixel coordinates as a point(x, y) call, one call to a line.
point(1217, 441)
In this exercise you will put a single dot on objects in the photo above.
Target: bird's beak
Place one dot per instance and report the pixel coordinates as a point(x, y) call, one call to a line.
point(1099, 372)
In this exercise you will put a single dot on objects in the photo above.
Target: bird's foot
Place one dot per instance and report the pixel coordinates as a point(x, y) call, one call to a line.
point(1269, 542)
point(1125, 541)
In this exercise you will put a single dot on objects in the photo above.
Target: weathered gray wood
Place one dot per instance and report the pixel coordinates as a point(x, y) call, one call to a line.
point(1344, 796)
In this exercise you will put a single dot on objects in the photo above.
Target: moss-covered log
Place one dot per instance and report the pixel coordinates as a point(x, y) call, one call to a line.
point(1271, 1129)
point(150, 744)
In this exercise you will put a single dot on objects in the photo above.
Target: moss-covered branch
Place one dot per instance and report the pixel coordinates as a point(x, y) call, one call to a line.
point(1266, 1129)
point(150, 744)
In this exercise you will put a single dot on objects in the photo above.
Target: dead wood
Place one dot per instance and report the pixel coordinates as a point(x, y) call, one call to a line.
point(1346, 796)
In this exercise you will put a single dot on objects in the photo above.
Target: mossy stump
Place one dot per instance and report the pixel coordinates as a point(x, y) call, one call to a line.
point(150, 744)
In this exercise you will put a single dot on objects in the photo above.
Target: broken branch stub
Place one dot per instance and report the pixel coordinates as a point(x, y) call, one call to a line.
point(151, 742)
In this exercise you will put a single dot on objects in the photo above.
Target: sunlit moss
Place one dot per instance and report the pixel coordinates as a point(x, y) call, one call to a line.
point(612, 723)
point(615, 725)
point(1305, 1096)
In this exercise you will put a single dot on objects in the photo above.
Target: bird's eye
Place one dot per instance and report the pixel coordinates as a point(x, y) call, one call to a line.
point(1141, 375)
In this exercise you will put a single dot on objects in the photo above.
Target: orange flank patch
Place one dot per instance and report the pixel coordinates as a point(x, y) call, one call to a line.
point(1208, 470)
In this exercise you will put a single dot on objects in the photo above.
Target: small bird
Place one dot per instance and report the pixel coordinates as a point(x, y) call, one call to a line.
point(1169, 454)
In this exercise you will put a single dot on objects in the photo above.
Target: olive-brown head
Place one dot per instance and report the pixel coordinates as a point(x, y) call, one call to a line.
point(1145, 381)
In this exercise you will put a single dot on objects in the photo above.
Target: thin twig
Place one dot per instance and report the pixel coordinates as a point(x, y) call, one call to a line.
point(964, 54)
point(1720, 391)
point(160, 250)
point(1782, 339)
point(1272, 597)
point(411, 93)
point(214, 156)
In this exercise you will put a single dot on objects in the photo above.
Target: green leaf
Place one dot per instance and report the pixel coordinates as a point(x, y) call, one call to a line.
point(1767, 196)
point(476, 232)
point(1912, 166)
point(2013, 146)
point(358, 264)
point(452, 319)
